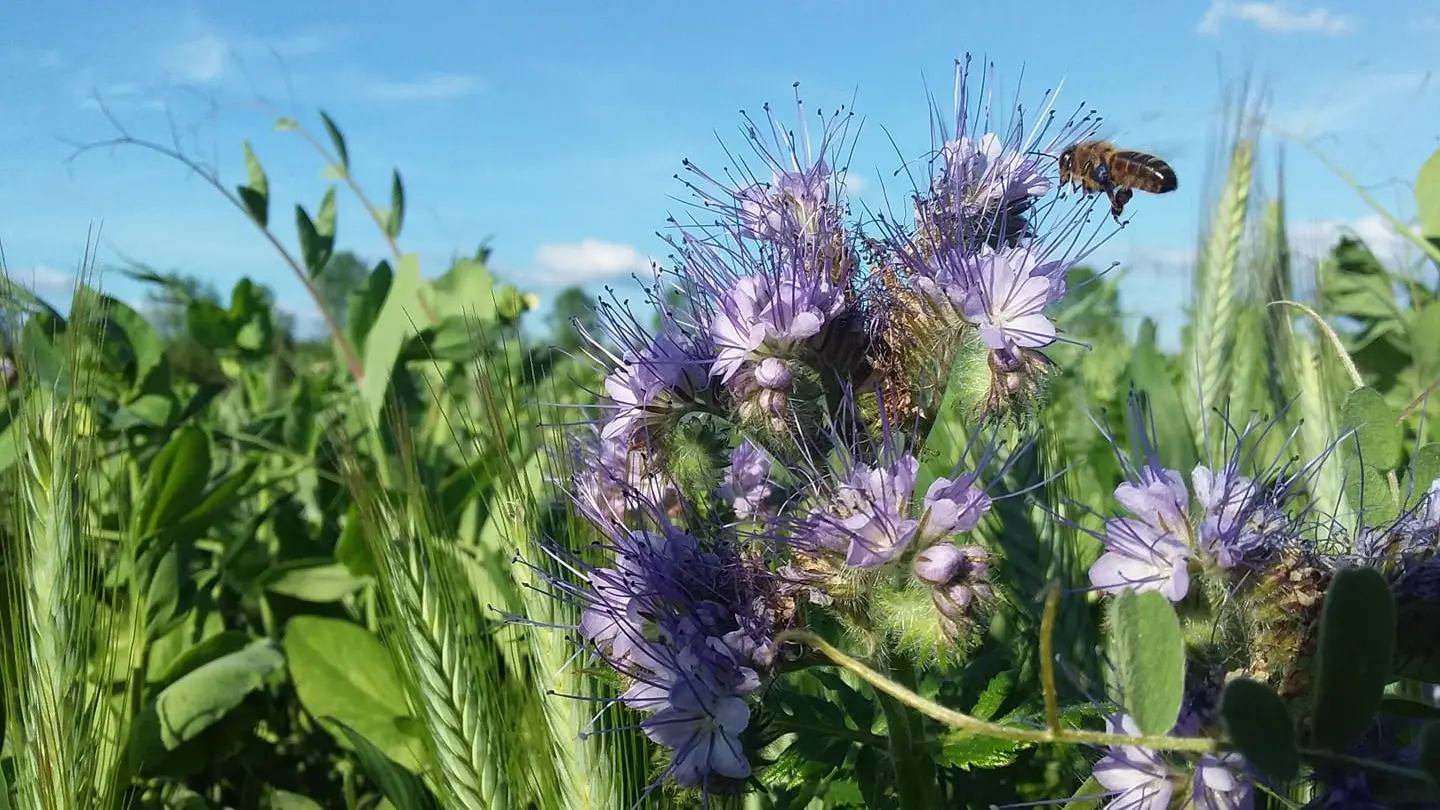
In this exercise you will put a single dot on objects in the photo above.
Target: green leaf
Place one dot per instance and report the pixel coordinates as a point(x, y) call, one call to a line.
point(286, 124)
point(401, 787)
point(202, 698)
point(966, 750)
point(1379, 435)
point(1089, 796)
point(1352, 663)
point(1367, 489)
point(212, 648)
point(1427, 196)
point(312, 580)
point(1261, 727)
point(395, 324)
point(317, 238)
point(1430, 752)
point(395, 217)
point(285, 800)
point(365, 302)
point(1155, 387)
point(337, 139)
point(175, 483)
point(341, 670)
point(1148, 651)
point(1424, 471)
point(256, 195)
point(1425, 342)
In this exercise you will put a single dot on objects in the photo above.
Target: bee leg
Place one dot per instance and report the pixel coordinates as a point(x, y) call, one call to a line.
point(1118, 199)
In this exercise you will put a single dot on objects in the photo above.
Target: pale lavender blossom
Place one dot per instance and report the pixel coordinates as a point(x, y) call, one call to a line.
point(865, 515)
point(1010, 289)
point(703, 726)
point(1238, 524)
point(770, 315)
point(666, 369)
point(988, 176)
point(746, 484)
point(794, 201)
point(1142, 557)
point(953, 506)
point(1137, 778)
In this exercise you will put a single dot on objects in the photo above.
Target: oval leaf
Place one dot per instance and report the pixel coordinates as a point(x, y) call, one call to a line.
point(395, 217)
point(1148, 651)
point(341, 671)
point(1427, 196)
point(313, 581)
point(402, 788)
point(204, 696)
point(1376, 429)
point(1352, 663)
point(1260, 725)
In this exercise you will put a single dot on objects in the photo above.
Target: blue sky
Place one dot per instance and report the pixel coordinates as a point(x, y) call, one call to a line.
point(555, 129)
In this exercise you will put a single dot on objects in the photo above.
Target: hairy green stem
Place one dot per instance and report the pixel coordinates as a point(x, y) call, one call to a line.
point(915, 780)
point(964, 722)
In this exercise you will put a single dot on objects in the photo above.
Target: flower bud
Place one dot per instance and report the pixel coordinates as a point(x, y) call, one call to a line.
point(773, 373)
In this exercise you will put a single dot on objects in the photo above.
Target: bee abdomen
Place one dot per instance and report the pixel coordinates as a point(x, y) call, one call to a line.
point(1142, 171)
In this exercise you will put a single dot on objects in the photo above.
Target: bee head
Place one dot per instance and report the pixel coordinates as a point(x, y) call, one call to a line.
point(1067, 159)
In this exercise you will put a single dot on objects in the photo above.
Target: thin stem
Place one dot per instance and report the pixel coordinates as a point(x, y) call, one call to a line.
point(1047, 659)
point(915, 781)
point(964, 722)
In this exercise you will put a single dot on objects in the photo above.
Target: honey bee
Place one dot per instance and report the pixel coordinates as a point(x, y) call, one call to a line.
point(1096, 166)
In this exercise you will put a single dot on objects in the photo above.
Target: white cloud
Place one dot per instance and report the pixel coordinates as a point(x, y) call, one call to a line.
point(199, 60)
point(45, 281)
point(1275, 16)
point(1345, 104)
point(588, 260)
point(36, 58)
point(439, 87)
point(855, 185)
point(300, 45)
point(1313, 240)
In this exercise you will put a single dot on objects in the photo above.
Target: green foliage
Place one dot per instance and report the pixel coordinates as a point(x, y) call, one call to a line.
point(1260, 724)
point(1353, 663)
point(1148, 653)
point(245, 569)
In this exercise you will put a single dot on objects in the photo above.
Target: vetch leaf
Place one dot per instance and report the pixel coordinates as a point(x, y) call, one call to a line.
point(1260, 725)
point(337, 139)
point(341, 671)
point(394, 325)
point(1379, 435)
point(395, 217)
point(1149, 654)
point(403, 788)
point(1352, 663)
point(313, 580)
point(202, 697)
point(256, 195)
point(317, 237)
point(1424, 471)
point(1427, 196)
point(175, 483)
point(285, 800)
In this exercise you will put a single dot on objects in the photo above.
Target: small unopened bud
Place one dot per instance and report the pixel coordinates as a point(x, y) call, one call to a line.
point(773, 373)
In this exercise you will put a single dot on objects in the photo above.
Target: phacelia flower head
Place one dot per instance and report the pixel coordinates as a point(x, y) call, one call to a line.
point(747, 484)
point(688, 624)
point(1233, 522)
point(1136, 778)
point(654, 377)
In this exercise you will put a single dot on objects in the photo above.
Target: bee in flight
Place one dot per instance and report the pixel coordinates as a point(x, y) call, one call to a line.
point(1096, 166)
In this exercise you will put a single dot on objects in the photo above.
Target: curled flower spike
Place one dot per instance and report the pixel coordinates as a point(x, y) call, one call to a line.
point(688, 624)
point(746, 484)
point(1233, 522)
point(651, 380)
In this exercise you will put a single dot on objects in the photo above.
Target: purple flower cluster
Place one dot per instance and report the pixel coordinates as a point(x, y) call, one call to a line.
point(1136, 778)
point(703, 473)
point(1166, 539)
